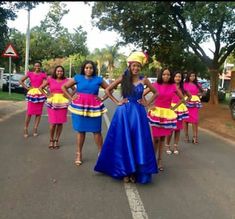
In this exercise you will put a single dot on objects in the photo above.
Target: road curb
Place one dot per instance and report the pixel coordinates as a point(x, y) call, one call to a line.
point(217, 136)
point(10, 108)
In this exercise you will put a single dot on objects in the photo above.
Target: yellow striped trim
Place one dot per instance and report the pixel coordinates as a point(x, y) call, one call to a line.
point(34, 91)
point(180, 108)
point(57, 98)
point(163, 113)
point(86, 113)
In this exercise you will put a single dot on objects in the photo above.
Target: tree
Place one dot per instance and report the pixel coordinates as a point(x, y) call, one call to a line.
point(154, 25)
point(52, 21)
point(110, 54)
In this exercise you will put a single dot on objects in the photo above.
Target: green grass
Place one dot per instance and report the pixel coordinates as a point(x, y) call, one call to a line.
point(12, 96)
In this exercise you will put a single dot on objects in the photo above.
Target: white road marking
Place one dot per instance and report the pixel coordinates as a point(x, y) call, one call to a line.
point(135, 202)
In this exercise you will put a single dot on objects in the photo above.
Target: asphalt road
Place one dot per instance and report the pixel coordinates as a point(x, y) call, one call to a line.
point(37, 183)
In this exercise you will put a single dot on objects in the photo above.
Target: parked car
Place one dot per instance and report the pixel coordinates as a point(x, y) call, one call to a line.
point(152, 80)
point(232, 103)
point(15, 85)
point(206, 88)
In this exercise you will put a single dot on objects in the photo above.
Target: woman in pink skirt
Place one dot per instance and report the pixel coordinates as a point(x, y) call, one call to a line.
point(57, 104)
point(182, 113)
point(194, 104)
point(161, 116)
point(35, 99)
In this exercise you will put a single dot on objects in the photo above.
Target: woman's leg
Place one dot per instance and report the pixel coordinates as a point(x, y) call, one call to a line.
point(168, 140)
point(80, 141)
point(98, 140)
point(195, 133)
point(176, 141)
point(36, 124)
point(186, 139)
point(59, 128)
point(52, 133)
point(26, 125)
point(160, 150)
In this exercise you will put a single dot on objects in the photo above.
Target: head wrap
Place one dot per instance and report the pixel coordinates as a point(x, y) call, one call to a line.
point(139, 57)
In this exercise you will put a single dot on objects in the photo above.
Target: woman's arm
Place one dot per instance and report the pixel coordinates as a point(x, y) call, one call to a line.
point(21, 81)
point(150, 88)
point(109, 89)
point(43, 85)
point(189, 95)
point(104, 85)
point(69, 84)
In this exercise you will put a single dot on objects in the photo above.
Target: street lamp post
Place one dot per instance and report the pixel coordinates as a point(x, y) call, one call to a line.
point(27, 43)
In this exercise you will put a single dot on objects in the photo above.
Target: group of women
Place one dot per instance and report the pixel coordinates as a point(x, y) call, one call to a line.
point(146, 116)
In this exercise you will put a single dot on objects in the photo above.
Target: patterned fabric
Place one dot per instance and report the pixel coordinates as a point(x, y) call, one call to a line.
point(57, 101)
point(87, 105)
point(194, 102)
point(162, 118)
point(34, 95)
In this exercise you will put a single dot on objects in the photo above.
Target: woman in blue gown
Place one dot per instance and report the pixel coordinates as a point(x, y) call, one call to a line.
point(128, 152)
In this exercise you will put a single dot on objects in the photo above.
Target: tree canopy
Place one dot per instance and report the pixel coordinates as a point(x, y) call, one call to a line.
point(170, 30)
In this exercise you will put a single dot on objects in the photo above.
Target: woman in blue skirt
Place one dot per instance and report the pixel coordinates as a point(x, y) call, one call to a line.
point(128, 152)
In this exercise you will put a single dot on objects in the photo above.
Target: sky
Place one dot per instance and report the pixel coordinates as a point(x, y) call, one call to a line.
point(79, 14)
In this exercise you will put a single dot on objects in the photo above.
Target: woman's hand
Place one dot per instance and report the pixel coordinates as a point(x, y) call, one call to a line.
point(123, 101)
point(143, 102)
point(151, 107)
point(49, 95)
point(74, 97)
point(99, 99)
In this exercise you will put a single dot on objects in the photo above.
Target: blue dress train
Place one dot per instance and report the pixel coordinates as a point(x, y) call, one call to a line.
point(128, 147)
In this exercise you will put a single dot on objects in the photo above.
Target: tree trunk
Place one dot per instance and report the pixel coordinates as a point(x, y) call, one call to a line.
point(232, 81)
point(214, 86)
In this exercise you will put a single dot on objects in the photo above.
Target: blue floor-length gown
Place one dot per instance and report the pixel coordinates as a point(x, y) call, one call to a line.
point(128, 147)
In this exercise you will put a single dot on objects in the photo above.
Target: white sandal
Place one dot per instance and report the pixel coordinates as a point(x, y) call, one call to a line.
point(176, 151)
point(168, 151)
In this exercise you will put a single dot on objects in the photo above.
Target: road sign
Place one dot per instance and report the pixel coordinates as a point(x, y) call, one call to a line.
point(10, 52)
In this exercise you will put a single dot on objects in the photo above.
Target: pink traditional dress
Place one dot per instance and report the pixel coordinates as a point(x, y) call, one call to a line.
point(181, 111)
point(57, 104)
point(194, 104)
point(34, 96)
point(162, 118)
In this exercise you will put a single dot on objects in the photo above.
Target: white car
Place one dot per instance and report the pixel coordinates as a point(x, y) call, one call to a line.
point(152, 80)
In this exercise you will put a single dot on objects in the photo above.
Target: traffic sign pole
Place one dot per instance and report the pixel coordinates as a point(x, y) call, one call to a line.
point(10, 52)
point(9, 74)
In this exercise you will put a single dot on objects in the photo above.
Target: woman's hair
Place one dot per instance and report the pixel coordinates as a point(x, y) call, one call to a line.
point(93, 65)
point(37, 62)
point(182, 80)
point(126, 83)
point(159, 77)
point(195, 80)
point(54, 72)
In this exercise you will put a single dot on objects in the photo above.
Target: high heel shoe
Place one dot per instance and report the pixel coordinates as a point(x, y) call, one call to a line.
point(78, 160)
point(126, 179)
point(195, 140)
point(176, 151)
point(56, 144)
point(51, 145)
point(168, 150)
point(186, 139)
point(35, 132)
point(26, 134)
point(160, 166)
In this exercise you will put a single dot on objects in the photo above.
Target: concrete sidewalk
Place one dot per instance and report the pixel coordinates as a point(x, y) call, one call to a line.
point(9, 108)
